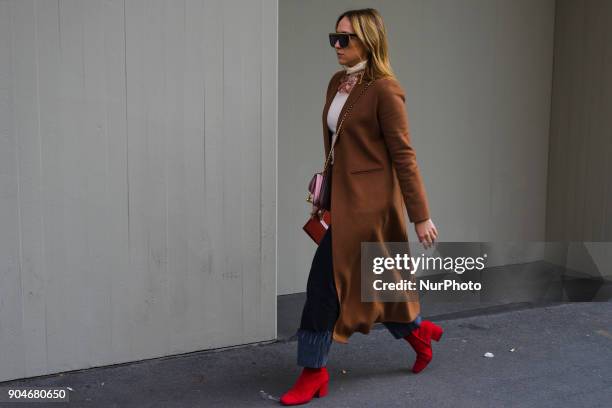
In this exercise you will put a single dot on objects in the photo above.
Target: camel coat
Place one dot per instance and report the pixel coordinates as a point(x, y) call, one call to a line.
point(375, 181)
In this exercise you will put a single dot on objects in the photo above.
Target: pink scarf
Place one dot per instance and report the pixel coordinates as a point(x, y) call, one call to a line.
point(351, 76)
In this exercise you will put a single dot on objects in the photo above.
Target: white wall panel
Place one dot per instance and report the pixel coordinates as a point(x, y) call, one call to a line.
point(137, 179)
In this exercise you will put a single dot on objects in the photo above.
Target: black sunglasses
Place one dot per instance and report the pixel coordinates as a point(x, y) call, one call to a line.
point(341, 38)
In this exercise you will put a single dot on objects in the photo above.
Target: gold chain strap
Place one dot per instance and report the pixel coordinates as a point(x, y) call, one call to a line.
point(331, 149)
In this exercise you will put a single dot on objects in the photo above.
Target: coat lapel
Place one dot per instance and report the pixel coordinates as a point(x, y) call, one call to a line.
point(328, 101)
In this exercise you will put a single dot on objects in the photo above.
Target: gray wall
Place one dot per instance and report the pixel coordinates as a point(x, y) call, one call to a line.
point(579, 206)
point(477, 75)
point(137, 179)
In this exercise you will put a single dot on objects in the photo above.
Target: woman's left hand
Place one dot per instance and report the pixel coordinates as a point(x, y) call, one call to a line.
point(427, 232)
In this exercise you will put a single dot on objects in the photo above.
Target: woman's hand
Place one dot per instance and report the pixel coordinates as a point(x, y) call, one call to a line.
point(314, 210)
point(427, 232)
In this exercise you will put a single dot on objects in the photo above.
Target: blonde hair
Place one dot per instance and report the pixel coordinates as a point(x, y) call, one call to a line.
point(370, 29)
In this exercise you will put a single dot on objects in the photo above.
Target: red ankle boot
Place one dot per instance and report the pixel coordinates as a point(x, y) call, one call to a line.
point(420, 340)
point(312, 382)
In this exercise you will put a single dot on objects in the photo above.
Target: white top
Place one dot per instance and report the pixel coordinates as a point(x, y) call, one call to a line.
point(334, 110)
point(333, 115)
point(357, 67)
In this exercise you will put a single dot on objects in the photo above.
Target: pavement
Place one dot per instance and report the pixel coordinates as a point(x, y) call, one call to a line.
point(553, 356)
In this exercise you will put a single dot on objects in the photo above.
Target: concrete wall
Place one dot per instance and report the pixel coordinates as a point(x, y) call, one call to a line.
point(477, 75)
point(579, 206)
point(137, 179)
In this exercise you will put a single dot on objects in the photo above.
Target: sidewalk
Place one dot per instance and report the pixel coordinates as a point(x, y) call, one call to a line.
point(562, 358)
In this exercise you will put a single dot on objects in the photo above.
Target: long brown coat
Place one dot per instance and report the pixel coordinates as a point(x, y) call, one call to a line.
point(375, 179)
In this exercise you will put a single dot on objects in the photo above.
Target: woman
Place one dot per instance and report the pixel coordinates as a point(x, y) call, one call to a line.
point(374, 176)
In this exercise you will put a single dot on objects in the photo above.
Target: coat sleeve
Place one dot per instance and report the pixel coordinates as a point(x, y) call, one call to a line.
point(393, 122)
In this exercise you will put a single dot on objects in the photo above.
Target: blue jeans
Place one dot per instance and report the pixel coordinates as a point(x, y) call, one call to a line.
point(321, 311)
point(313, 346)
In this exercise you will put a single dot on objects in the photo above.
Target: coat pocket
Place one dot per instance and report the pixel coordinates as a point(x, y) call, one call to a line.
point(360, 171)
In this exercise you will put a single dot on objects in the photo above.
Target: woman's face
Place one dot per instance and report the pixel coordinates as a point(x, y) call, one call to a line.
point(355, 51)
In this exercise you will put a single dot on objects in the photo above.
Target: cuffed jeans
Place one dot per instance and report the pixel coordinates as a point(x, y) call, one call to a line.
point(322, 308)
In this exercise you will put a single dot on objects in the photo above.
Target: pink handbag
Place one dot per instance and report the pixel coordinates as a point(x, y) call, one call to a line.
point(318, 190)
